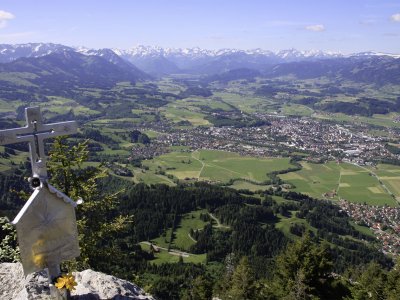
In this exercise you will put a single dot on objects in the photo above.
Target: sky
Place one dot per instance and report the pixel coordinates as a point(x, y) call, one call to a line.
point(345, 26)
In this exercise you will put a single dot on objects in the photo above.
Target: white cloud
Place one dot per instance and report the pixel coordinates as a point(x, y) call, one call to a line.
point(317, 28)
point(4, 17)
point(395, 17)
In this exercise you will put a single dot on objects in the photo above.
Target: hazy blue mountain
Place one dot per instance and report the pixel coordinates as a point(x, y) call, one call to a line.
point(209, 62)
point(70, 68)
point(112, 57)
point(156, 66)
point(369, 69)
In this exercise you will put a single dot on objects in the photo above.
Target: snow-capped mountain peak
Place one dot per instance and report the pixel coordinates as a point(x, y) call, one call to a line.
point(9, 52)
point(374, 53)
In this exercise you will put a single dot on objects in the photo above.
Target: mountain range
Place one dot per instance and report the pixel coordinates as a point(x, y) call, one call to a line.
point(109, 65)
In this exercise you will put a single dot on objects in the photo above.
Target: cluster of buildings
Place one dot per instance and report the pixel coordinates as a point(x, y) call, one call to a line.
point(383, 220)
point(148, 151)
point(320, 139)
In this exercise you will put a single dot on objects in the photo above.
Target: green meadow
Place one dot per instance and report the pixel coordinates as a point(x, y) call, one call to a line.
point(192, 220)
point(163, 256)
point(217, 166)
point(246, 185)
point(377, 119)
point(177, 114)
point(390, 177)
point(284, 224)
point(179, 239)
point(350, 182)
point(246, 103)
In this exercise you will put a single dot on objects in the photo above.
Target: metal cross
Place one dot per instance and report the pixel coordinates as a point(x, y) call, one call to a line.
point(34, 133)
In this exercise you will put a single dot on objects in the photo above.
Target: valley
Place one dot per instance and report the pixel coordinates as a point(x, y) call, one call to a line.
point(216, 156)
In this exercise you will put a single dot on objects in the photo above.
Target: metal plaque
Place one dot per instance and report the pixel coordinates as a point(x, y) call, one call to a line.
point(47, 231)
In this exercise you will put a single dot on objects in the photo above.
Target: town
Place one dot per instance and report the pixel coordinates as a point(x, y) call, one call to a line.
point(319, 140)
point(383, 220)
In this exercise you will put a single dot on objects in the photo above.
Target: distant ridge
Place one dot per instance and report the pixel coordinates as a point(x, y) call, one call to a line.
point(139, 61)
point(10, 52)
point(69, 68)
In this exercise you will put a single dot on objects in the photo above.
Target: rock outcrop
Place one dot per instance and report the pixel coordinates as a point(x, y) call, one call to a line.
point(91, 285)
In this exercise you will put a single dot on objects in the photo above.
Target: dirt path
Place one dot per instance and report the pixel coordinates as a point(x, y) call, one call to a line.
point(202, 164)
point(338, 185)
point(219, 225)
point(190, 237)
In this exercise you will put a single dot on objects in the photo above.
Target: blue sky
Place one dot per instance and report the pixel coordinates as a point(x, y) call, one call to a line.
point(345, 26)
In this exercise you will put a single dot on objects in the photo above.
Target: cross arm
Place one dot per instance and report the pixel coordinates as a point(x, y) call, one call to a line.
point(57, 129)
point(16, 135)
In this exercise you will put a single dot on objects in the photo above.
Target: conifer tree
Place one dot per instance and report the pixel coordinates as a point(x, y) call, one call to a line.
point(371, 284)
point(201, 288)
point(99, 223)
point(303, 270)
point(392, 286)
point(242, 282)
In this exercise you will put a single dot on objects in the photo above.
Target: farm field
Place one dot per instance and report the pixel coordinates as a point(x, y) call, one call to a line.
point(297, 110)
point(178, 113)
point(150, 177)
point(350, 182)
point(216, 166)
point(245, 185)
point(378, 120)
point(247, 104)
point(390, 177)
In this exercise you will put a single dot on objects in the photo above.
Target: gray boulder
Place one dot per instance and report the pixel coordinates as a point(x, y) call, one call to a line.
point(91, 285)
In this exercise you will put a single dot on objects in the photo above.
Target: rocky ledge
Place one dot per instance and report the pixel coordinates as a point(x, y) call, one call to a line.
point(91, 285)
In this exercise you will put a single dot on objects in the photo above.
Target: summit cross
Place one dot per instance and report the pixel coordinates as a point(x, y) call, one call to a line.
point(34, 133)
point(46, 225)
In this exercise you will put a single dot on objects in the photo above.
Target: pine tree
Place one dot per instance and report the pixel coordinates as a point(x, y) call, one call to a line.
point(392, 286)
point(242, 282)
point(98, 221)
point(303, 270)
point(201, 288)
point(371, 284)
